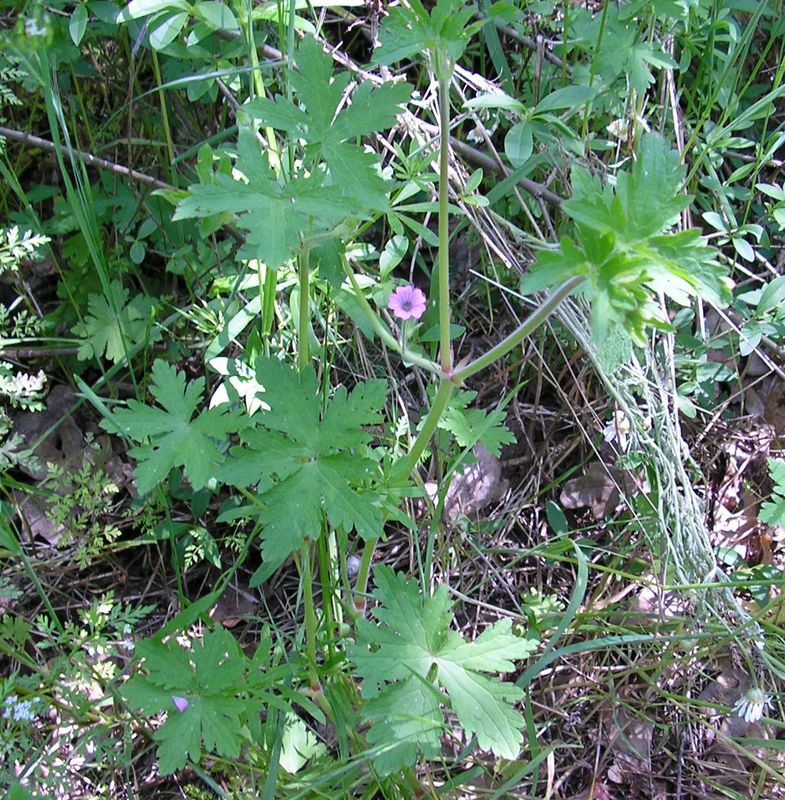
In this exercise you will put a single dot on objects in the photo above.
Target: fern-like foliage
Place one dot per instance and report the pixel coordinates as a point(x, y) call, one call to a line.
point(18, 389)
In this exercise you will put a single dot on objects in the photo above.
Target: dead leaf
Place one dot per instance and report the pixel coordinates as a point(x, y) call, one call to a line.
point(630, 739)
point(233, 606)
point(659, 605)
point(597, 489)
point(33, 510)
point(775, 412)
point(474, 487)
point(597, 791)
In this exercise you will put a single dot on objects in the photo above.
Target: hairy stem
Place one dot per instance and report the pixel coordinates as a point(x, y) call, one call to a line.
point(403, 468)
point(444, 225)
point(303, 316)
point(310, 612)
point(526, 328)
point(164, 117)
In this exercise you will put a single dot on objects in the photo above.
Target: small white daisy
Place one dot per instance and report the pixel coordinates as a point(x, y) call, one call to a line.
point(752, 704)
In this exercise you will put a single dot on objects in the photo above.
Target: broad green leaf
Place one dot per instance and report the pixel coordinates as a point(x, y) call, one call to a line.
point(171, 436)
point(392, 255)
point(566, 97)
point(144, 8)
point(743, 248)
point(772, 190)
point(475, 179)
point(306, 464)
point(166, 29)
point(497, 99)
point(78, 24)
point(217, 16)
point(772, 295)
point(411, 653)
point(114, 325)
point(518, 143)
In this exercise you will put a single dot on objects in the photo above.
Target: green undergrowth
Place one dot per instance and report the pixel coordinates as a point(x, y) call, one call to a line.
point(373, 386)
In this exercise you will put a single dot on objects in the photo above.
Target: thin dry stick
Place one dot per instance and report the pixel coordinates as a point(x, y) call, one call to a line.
point(88, 158)
point(481, 159)
point(533, 44)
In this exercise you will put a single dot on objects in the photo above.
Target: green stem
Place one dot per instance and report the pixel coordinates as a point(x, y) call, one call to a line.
point(303, 316)
point(310, 612)
point(593, 67)
point(14, 546)
point(164, 118)
point(267, 289)
point(533, 321)
point(268, 302)
point(444, 225)
point(327, 579)
point(403, 468)
point(361, 584)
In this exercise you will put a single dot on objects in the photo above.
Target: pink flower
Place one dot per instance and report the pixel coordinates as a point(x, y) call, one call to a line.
point(407, 302)
point(180, 702)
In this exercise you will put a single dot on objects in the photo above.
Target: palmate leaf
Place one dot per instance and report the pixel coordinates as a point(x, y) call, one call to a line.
point(219, 686)
point(306, 464)
point(170, 436)
point(645, 200)
point(409, 30)
point(472, 425)
point(624, 52)
point(329, 134)
point(623, 245)
point(276, 215)
point(114, 325)
point(412, 657)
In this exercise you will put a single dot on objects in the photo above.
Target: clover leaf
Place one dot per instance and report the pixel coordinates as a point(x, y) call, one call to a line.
point(412, 655)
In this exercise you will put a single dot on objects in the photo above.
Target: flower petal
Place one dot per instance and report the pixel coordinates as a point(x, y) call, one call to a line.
point(180, 702)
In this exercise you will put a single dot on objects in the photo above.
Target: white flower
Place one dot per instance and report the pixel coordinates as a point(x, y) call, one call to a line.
point(618, 428)
point(18, 710)
point(752, 704)
point(32, 28)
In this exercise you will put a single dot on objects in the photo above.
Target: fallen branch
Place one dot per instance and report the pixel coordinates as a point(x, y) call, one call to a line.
point(88, 158)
